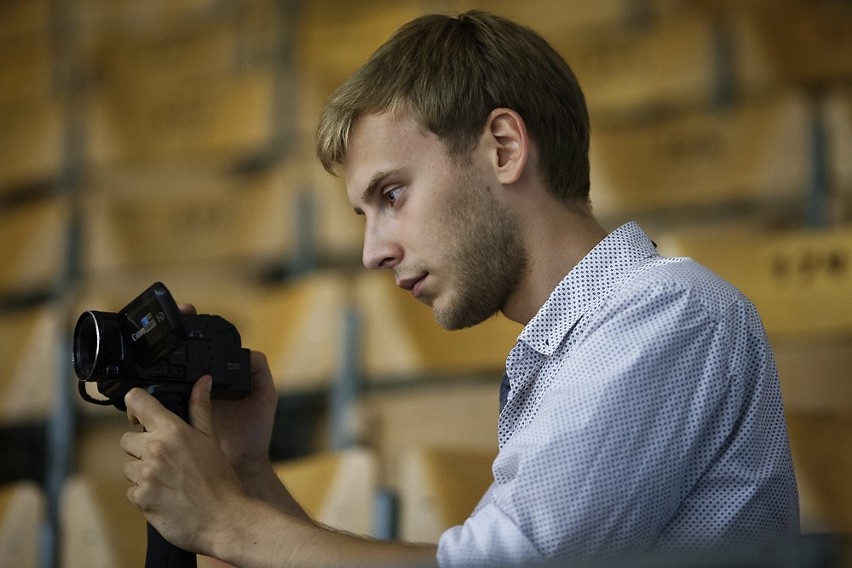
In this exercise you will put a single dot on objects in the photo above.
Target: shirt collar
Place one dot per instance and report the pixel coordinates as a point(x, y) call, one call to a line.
point(586, 285)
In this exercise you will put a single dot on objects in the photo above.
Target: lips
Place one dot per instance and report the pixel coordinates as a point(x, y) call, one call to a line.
point(413, 285)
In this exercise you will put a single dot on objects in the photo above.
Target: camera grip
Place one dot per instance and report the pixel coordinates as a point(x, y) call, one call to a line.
point(161, 553)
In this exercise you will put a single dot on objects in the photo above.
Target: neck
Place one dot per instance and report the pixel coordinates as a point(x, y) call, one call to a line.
point(556, 237)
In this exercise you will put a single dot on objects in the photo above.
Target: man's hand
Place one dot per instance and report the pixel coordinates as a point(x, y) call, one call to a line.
point(243, 428)
point(182, 480)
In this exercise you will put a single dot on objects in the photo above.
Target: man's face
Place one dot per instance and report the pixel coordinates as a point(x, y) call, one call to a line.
point(436, 223)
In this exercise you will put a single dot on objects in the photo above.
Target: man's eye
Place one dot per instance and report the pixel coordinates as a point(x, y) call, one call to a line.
point(392, 194)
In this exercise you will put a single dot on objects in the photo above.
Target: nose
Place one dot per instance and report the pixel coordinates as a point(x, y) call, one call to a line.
point(380, 251)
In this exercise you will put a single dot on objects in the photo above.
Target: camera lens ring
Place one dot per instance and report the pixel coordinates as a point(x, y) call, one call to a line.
point(86, 345)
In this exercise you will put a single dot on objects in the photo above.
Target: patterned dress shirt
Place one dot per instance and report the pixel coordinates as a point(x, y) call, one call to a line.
point(643, 413)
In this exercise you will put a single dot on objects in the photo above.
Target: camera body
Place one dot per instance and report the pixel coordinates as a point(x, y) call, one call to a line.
point(150, 344)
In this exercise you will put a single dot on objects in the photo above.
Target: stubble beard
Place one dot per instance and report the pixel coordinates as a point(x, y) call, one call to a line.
point(486, 258)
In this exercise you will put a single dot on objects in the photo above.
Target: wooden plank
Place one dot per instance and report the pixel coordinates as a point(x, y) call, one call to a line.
point(439, 488)
point(335, 488)
point(29, 350)
point(27, 69)
point(100, 528)
point(31, 142)
point(402, 340)
point(821, 443)
point(34, 237)
point(799, 280)
point(165, 215)
point(800, 43)
point(837, 120)
point(458, 414)
point(20, 17)
point(22, 513)
point(759, 151)
point(226, 119)
point(671, 64)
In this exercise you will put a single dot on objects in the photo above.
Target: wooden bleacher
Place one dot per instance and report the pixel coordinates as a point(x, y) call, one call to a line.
point(668, 64)
point(22, 513)
point(34, 236)
point(704, 114)
point(29, 349)
point(401, 338)
point(159, 216)
point(749, 153)
point(439, 488)
point(456, 414)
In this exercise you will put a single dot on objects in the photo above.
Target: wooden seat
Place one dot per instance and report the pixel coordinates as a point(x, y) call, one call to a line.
point(821, 442)
point(34, 237)
point(99, 526)
point(797, 43)
point(30, 142)
point(27, 69)
point(226, 118)
point(837, 119)
point(299, 325)
point(439, 488)
point(670, 63)
point(22, 513)
point(196, 81)
point(401, 339)
point(335, 233)
point(755, 153)
point(358, 28)
point(24, 16)
point(29, 350)
point(456, 414)
point(167, 215)
point(335, 488)
point(799, 280)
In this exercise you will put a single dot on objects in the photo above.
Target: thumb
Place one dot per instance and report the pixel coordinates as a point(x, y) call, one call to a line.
point(200, 409)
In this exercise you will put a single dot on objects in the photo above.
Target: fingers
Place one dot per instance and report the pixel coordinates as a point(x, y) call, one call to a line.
point(200, 409)
point(133, 444)
point(188, 309)
point(261, 377)
point(258, 363)
point(144, 409)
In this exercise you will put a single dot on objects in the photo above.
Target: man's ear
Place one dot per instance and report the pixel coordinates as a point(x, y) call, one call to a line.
point(509, 144)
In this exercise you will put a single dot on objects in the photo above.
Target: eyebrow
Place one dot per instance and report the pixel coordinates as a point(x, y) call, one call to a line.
point(375, 182)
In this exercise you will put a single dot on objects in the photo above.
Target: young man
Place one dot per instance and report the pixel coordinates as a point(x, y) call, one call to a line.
point(641, 407)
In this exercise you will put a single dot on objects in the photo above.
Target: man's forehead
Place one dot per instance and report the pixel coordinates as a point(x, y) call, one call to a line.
point(377, 141)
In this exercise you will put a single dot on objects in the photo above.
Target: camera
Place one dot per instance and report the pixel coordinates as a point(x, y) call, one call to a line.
point(150, 344)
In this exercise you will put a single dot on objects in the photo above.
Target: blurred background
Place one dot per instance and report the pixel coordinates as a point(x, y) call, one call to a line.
point(172, 140)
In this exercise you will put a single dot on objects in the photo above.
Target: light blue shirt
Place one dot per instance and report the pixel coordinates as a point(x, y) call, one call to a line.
point(644, 414)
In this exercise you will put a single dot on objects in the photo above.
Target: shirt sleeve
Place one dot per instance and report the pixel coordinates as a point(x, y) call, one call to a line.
point(641, 403)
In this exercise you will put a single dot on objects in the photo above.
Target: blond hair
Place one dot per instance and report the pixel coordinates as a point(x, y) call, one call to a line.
point(450, 73)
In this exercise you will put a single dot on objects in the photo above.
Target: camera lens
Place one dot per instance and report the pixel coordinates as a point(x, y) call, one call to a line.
point(86, 345)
